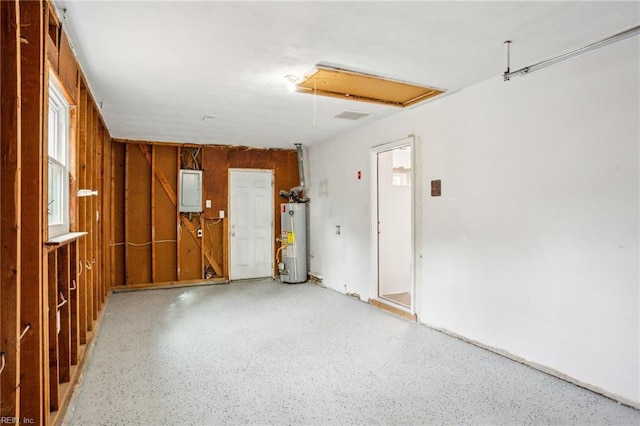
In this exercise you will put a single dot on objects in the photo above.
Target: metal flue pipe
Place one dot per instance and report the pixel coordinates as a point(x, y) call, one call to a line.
point(296, 194)
point(300, 167)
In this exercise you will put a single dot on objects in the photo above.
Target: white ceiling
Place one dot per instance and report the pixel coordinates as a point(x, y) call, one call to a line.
point(159, 67)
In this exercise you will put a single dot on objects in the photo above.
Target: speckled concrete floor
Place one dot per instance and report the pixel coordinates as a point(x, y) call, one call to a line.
point(270, 353)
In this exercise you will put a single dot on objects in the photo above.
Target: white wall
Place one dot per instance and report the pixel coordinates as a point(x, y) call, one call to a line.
point(533, 246)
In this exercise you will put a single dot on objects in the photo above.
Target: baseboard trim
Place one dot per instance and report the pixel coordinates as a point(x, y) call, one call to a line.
point(168, 284)
point(315, 278)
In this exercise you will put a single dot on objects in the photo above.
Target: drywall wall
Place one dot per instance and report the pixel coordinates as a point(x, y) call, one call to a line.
point(533, 246)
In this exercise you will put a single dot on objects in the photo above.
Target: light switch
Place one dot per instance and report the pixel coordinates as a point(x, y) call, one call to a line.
point(207, 204)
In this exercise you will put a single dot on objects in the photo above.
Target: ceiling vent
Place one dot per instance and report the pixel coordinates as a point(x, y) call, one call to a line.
point(349, 114)
point(352, 85)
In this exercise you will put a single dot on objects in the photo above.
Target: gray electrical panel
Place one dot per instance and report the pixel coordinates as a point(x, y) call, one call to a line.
point(190, 191)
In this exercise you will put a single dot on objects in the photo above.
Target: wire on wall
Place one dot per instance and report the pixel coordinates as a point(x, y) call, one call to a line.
point(143, 244)
point(24, 332)
point(190, 158)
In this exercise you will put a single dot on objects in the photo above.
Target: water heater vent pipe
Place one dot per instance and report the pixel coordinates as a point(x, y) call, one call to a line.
point(296, 194)
point(300, 167)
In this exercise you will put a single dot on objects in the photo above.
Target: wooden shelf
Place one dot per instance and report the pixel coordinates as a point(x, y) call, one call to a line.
point(65, 238)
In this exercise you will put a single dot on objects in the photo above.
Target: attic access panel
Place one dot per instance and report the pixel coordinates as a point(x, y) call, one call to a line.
point(351, 85)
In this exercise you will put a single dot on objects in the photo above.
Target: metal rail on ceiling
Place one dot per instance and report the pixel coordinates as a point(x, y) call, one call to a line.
point(567, 55)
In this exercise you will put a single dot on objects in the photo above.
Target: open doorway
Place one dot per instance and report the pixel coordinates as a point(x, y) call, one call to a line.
point(393, 219)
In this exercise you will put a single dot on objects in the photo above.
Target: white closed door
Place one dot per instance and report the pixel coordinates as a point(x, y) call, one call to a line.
point(251, 223)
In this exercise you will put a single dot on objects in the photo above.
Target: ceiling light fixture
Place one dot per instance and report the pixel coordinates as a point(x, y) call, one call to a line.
point(291, 82)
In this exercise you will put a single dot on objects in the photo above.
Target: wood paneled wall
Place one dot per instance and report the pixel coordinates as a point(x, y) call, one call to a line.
point(51, 290)
point(152, 243)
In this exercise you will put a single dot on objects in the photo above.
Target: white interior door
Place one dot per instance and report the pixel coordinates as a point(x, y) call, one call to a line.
point(394, 216)
point(251, 223)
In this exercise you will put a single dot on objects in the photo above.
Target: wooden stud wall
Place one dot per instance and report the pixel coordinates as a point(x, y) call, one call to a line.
point(81, 213)
point(144, 203)
point(165, 236)
point(138, 216)
point(32, 255)
point(10, 190)
point(105, 210)
point(118, 268)
point(51, 292)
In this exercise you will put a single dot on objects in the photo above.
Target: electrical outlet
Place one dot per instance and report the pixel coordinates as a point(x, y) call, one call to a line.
point(199, 233)
point(207, 204)
point(221, 214)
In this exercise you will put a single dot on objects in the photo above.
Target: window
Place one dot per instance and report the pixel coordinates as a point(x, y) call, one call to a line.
point(402, 166)
point(58, 171)
point(401, 176)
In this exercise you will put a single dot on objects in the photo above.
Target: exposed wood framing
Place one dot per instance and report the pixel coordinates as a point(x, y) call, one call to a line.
point(194, 253)
point(87, 170)
point(52, 37)
point(81, 153)
point(150, 157)
point(32, 256)
point(52, 302)
point(138, 217)
point(64, 313)
point(42, 316)
point(74, 308)
point(158, 174)
point(164, 222)
point(193, 231)
point(105, 210)
point(190, 250)
point(10, 238)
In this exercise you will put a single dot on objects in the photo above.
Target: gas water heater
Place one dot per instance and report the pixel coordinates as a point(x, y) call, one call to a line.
point(293, 267)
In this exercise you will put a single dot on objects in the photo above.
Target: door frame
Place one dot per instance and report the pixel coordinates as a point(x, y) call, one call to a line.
point(273, 216)
point(374, 151)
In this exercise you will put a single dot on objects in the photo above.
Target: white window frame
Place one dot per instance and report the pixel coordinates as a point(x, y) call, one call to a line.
point(58, 134)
